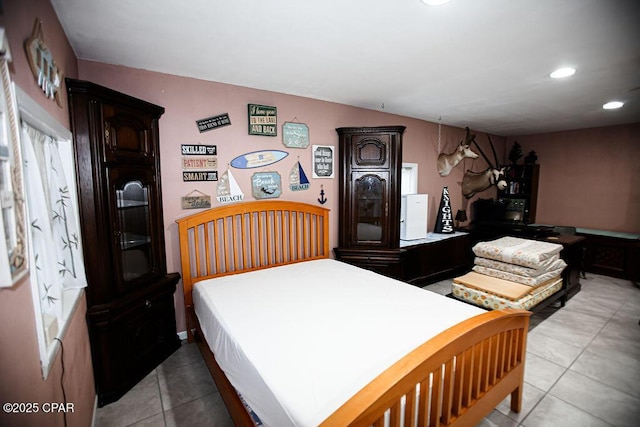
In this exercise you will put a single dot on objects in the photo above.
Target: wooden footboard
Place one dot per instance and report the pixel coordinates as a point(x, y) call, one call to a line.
point(456, 378)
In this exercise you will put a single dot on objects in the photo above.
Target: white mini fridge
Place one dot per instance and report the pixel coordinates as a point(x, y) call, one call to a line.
point(414, 209)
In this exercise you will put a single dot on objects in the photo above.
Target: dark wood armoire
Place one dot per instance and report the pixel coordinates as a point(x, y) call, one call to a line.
point(130, 307)
point(369, 197)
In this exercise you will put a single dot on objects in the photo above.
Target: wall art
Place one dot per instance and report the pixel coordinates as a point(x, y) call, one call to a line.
point(295, 135)
point(298, 180)
point(266, 185)
point(43, 66)
point(214, 122)
point(228, 189)
point(263, 120)
point(196, 201)
point(198, 150)
point(256, 159)
point(322, 158)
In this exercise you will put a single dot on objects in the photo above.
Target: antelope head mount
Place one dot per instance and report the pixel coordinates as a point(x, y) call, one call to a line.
point(446, 162)
point(475, 182)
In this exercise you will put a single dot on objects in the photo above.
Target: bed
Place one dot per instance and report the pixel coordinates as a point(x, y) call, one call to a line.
point(282, 349)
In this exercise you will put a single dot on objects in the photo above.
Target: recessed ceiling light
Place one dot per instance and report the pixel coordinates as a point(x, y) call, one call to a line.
point(612, 105)
point(562, 73)
point(434, 2)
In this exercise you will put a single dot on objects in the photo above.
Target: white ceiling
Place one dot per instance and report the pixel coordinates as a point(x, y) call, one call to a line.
point(477, 63)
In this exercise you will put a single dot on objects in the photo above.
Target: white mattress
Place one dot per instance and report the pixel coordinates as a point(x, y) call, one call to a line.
point(298, 341)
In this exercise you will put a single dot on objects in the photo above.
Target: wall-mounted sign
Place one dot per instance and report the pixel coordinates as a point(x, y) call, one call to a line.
point(228, 189)
point(298, 180)
point(322, 158)
point(199, 176)
point(295, 135)
point(263, 120)
point(213, 122)
point(199, 162)
point(257, 159)
point(266, 185)
point(199, 201)
point(43, 66)
point(198, 150)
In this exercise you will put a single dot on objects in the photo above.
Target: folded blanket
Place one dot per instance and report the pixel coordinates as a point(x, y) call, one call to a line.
point(550, 264)
point(513, 250)
point(529, 281)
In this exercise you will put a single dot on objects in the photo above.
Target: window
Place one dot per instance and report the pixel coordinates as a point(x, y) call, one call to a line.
point(55, 244)
point(409, 178)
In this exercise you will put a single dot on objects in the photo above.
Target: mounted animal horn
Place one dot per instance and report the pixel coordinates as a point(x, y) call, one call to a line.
point(475, 182)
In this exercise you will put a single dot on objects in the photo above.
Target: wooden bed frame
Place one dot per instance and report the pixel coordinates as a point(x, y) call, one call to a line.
point(467, 369)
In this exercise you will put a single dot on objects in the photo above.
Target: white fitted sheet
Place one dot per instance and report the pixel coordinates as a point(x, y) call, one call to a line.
point(298, 341)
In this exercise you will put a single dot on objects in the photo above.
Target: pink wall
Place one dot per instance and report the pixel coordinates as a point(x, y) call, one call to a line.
point(20, 372)
point(589, 178)
point(187, 100)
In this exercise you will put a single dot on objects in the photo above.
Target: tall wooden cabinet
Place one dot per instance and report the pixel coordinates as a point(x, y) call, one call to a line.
point(130, 314)
point(369, 197)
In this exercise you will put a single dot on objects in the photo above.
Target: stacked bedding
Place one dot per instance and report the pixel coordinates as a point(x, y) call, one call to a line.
point(512, 272)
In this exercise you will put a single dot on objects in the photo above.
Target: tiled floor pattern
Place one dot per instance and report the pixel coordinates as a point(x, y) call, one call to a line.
point(583, 369)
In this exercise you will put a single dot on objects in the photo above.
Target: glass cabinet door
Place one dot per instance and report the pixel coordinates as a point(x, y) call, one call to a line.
point(370, 207)
point(134, 230)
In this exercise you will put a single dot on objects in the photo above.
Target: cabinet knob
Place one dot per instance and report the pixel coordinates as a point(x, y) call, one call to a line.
point(147, 303)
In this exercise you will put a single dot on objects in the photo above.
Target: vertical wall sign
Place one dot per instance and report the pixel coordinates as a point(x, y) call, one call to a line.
point(43, 66)
point(266, 185)
point(322, 158)
point(199, 163)
point(263, 120)
point(295, 135)
point(444, 220)
point(228, 189)
point(298, 180)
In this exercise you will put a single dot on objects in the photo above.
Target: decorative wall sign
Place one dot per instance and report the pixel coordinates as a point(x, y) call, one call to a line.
point(266, 185)
point(444, 220)
point(257, 159)
point(213, 122)
point(263, 120)
point(322, 158)
point(188, 176)
point(199, 162)
point(198, 150)
point(295, 135)
point(197, 201)
point(43, 66)
point(228, 189)
point(298, 180)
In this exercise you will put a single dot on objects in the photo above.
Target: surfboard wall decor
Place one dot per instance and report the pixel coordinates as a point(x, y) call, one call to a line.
point(257, 159)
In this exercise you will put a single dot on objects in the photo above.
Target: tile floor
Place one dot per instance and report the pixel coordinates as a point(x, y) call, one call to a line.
point(583, 369)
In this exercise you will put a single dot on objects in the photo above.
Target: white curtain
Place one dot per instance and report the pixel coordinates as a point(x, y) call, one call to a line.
point(53, 221)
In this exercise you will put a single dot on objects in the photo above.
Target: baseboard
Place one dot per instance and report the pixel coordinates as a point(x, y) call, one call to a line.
point(182, 335)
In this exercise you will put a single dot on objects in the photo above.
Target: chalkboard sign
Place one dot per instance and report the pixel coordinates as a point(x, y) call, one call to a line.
point(295, 135)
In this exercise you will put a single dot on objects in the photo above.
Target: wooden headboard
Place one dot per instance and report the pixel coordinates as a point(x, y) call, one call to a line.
point(250, 236)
